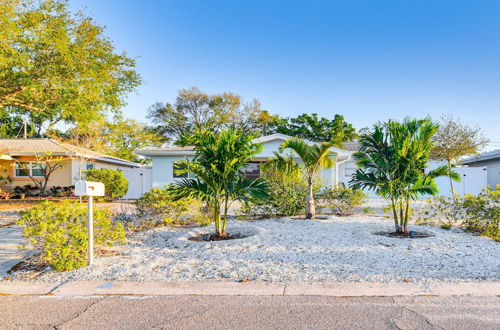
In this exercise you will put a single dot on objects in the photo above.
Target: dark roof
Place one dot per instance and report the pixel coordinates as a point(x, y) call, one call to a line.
point(490, 155)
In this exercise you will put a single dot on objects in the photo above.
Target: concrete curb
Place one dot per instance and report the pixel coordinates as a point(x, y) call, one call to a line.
point(103, 288)
point(25, 288)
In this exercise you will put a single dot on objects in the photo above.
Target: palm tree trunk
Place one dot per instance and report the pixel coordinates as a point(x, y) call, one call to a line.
point(407, 215)
point(311, 205)
point(224, 220)
point(401, 216)
point(395, 214)
point(217, 218)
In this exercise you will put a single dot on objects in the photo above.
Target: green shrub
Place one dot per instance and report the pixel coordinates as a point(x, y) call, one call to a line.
point(341, 200)
point(477, 213)
point(482, 213)
point(287, 196)
point(158, 207)
point(441, 211)
point(59, 232)
point(115, 183)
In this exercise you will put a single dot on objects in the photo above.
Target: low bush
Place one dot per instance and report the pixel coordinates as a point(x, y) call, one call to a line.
point(482, 213)
point(158, 207)
point(115, 183)
point(476, 213)
point(441, 211)
point(287, 196)
point(28, 190)
point(341, 200)
point(60, 191)
point(59, 232)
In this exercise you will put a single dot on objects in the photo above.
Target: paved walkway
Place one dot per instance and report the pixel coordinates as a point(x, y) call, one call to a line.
point(10, 238)
point(218, 312)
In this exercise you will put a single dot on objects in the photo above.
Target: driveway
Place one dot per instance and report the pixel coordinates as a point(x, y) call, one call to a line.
point(10, 238)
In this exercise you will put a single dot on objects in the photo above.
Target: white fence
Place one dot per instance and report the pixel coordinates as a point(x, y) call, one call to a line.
point(473, 180)
point(139, 181)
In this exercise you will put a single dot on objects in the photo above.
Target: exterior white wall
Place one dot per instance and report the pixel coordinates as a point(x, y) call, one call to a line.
point(493, 171)
point(269, 149)
point(163, 169)
point(163, 166)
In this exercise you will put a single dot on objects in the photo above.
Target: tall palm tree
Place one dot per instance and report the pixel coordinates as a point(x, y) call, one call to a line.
point(218, 169)
point(314, 157)
point(391, 161)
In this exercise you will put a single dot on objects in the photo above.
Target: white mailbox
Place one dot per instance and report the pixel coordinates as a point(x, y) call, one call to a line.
point(89, 188)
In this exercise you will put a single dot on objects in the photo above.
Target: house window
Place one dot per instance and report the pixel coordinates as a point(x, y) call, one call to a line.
point(252, 171)
point(27, 169)
point(90, 166)
point(183, 175)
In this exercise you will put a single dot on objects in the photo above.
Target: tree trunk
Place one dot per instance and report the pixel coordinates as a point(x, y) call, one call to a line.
point(311, 205)
point(395, 215)
point(224, 220)
point(452, 189)
point(217, 219)
point(407, 216)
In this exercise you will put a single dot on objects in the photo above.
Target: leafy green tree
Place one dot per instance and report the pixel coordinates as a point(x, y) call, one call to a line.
point(391, 162)
point(455, 140)
point(10, 126)
point(58, 66)
point(310, 127)
point(123, 137)
point(195, 110)
point(218, 168)
point(314, 158)
point(115, 183)
point(119, 138)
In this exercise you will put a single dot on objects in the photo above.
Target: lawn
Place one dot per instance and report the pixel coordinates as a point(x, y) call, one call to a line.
point(340, 249)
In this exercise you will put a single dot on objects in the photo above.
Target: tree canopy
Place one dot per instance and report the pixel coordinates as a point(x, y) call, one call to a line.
point(455, 140)
point(195, 110)
point(59, 66)
point(119, 137)
point(313, 128)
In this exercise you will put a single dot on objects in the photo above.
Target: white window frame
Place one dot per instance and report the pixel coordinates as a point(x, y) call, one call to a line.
point(29, 168)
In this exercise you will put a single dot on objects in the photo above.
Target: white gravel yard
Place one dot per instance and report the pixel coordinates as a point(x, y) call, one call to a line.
point(280, 250)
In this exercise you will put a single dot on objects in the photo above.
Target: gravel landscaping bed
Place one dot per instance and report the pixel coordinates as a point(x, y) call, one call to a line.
point(279, 250)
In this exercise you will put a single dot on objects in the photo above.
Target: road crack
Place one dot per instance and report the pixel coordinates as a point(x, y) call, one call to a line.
point(402, 308)
point(58, 326)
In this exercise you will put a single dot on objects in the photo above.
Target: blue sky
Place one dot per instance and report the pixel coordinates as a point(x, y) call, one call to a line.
point(367, 60)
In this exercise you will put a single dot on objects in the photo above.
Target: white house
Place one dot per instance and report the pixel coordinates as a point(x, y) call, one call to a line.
point(164, 160)
point(490, 160)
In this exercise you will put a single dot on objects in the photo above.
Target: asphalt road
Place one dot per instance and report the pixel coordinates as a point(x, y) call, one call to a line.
point(240, 312)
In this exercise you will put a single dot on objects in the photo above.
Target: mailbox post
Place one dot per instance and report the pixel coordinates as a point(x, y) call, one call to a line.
point(90, 189)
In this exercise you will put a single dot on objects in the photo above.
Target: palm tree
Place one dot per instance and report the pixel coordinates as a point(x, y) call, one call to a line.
point(391, 161)
point(314, 157)
point(217, 167)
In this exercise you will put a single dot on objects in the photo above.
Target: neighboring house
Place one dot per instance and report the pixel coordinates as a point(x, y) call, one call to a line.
point(18, 159)
point(490, 160)
point(164, 160)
